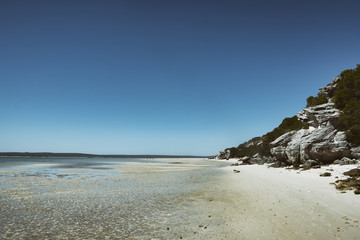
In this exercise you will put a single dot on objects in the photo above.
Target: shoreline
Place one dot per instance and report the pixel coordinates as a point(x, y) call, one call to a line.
point(211, 202)
point(277, 203)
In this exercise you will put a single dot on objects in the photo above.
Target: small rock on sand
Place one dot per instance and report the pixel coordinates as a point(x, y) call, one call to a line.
point(325, 174)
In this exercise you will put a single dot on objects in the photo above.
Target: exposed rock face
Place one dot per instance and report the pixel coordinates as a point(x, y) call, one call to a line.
point(355, 152)
point(322, 142)
point(345, 161)
point(258, 159)
point(224, 155)
point(328, 89)
point(310, 163)
point(320, 115)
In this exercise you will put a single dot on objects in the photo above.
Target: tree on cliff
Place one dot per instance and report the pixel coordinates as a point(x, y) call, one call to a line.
point(347, 99)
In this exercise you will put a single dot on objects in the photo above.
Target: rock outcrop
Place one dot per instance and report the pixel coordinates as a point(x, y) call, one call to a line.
point(345, 161)
point(330, 88)
point(320, 115)
point(320, 142)
point(259, 159)
point(224, 155)
point(323, 144)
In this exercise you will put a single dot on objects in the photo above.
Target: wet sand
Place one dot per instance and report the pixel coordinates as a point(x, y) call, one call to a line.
point(89, 200)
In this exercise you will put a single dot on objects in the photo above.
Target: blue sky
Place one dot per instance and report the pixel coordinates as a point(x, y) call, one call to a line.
point(163, 77)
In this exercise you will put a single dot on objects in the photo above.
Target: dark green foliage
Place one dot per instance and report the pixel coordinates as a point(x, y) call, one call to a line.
point(287, 125)
point(234, 152)
point(348, 88)
point(248, 148)
point(353, 135)
point(347, 99)
point(262, 144)
point(313, 101)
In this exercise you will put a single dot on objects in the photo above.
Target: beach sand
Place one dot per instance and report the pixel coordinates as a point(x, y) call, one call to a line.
point(275, 203)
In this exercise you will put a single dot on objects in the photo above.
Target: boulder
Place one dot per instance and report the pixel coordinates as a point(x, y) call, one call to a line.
point(279, 164)
point(294, 149)
point(351, 183)
point(310, 163)
point(327, 152)
point(260, 159)
point(353, 172)
point(279, 153)
point(325, 174)
point(345, 161)
point(323, 144)
point(355, 152)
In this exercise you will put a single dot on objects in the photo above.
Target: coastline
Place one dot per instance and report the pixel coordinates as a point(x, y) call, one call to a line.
point(210, 202)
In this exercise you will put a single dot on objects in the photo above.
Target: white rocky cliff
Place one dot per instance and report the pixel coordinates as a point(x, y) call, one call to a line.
point(320, 143)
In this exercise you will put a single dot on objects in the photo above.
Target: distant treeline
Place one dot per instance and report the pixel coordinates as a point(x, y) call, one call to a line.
point(85, 155)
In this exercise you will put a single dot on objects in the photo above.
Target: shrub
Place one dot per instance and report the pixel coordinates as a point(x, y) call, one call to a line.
point(313, 101)
point(287, 125)
point(353, 135)
point(347, 99)
point(262, 144)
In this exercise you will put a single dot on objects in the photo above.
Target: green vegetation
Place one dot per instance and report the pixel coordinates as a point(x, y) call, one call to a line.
point(313, 101)
point(287, 125)
point(246, 149)
point(347, 99)
point(262, 144)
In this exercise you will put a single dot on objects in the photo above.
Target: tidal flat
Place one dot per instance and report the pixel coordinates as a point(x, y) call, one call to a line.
point(171, 199)
point(64, 198)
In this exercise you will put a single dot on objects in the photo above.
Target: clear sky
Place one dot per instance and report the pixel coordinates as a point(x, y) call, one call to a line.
point(164, 77)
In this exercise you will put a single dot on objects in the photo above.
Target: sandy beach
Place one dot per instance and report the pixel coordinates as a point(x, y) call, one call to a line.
point(275, 203)
point(174, 199)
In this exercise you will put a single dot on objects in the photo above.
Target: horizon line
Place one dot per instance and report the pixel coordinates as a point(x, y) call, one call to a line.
point(54, 154)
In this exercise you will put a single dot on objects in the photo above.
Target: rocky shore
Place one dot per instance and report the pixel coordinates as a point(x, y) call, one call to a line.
point(321, 140)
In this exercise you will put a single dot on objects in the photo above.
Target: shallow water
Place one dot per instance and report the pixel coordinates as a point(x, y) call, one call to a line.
point(81, 198)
